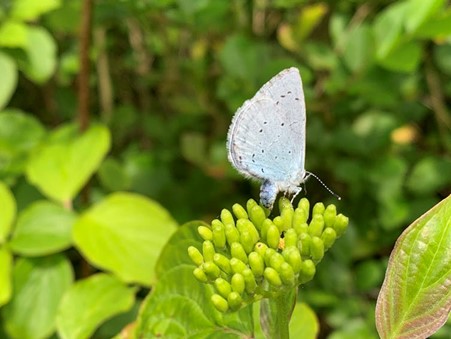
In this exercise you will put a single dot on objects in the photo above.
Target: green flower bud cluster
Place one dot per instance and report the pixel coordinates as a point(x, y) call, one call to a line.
point(247, 256)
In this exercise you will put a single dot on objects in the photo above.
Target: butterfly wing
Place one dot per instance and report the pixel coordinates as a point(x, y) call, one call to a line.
point(266, 139)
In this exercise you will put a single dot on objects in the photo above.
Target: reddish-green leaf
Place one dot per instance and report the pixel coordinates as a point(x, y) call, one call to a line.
point(415, 298)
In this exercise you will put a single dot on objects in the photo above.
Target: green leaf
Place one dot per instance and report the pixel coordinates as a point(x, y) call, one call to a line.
point(39, 284)
point(419, 11)
point(8, 70)
point(388, 28)
point(41, 53)
point(13, 34)
point(66, 162)
point(179, 305)
point(42, 228)
point(427, 175)
point(28, 10)
point(404, 58)
point(6, 262)
point(304, 323)
point(19, 135)
point(359, 48)
point(124, 233)
point(113, 175)
point(90, 302)
point(415, 297)
point(439, 28)
point(8, 211)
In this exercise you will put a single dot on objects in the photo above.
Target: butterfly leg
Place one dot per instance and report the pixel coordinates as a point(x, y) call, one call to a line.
point(295, 192)
point(268, 194)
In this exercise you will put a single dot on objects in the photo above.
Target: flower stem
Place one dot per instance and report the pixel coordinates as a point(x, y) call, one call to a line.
point(275, 314)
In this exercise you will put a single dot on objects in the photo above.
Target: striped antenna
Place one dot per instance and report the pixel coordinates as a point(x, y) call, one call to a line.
point(325, 186)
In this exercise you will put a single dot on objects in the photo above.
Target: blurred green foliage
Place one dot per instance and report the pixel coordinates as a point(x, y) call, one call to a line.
point(168, 76)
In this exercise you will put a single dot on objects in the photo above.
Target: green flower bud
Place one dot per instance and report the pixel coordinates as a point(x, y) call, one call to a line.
point(280, 223)
point(318, 208)
point(220, 303)
point(290, 238)
point(304, 244)
point(265, 225)
point(235, 300)
point(301, 228)
point(247, 241)
point(237, 251)
point(257, 216)
point(219, 237)
point(208, 250)
point(237, 265)
point(329, 215)
point(238, 283)
point(272, 276)
point(293, 257)
point(308, 271)
point(223, 287)
point(231, 233)
point(276, 260)
point(249, 280)
point(317, 249)
point(328, 237)
point(273, 237)
point(239, 211)
point(245, 225)
point(200, 275)
point(268, 254)
point(340, 225)
point(205, 232)
point(286, 213)
point(299, 217)
point(284, 204)
point(223, 262)
point(256, 264)
point(286, 273)
point(304, 204)
point(195, 255)
point(260, 248)
point(211, 269)
point(316, 225)
point(250, 204)
point(227, 217)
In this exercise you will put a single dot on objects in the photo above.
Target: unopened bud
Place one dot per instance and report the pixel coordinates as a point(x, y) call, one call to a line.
point(208, 250)
point(195, 255)
point(316, 225)
point(237, 251)
point(239, 211)
point(329, 215)
point(223, 262)
point(316, 249)
point(237, 283)
point(220, 303)
point(272, 276)
point(200, 275)
point(328, 237)
point(256, 264)
point(205, 232)
point(219, 238)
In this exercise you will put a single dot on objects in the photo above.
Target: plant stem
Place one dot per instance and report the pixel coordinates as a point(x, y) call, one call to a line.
point(275, 314)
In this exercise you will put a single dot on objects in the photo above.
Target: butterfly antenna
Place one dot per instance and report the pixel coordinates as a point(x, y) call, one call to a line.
point(325, 186)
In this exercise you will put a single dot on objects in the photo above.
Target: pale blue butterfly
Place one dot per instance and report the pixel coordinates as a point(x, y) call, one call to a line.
point(266, 139)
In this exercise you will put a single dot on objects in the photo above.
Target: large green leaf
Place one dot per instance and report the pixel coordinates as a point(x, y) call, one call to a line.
point(64, 164)
point(388, 28)
point(31, 9)
point(19, 135)
point(405, 57)
point(8, 211)
point(179, 305)
point(41, 53)
point(39, 284)
point(419, 11)
point(359, 48)
point(415, 299)
point(89, 302)
point(6, 261)
point(124, 233)
point(42, 228)
point(8, 70)
point(304, 323)
point(13, 34)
